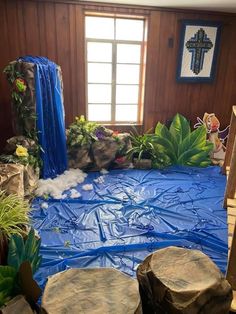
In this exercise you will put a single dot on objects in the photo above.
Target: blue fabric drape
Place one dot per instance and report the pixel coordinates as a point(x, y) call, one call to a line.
point(50, 116)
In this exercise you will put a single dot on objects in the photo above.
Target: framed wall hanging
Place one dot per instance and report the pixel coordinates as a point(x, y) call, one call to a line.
point(199, 45)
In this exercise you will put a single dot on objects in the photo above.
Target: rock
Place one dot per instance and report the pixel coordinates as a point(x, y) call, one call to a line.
point(18, 179)
point(17, 305)
point(12, 179)
point(12, 143)
point(177, 280)
point(104, 152)
point(142, 163)
point(79, 157)
point(92, 291)
point(31, 177)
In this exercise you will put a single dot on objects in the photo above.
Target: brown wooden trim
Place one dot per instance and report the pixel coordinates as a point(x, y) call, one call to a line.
point(141, 7)
point(230, 142)
point(231, 268)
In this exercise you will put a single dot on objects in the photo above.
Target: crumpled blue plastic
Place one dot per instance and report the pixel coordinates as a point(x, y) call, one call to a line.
point(50, 116)
point(130, 215)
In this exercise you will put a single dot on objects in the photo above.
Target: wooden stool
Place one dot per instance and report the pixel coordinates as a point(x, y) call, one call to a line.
point(176, 280)
point(92, 291)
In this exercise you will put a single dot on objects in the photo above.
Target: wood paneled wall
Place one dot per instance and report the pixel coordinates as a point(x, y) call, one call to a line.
point(55, 29)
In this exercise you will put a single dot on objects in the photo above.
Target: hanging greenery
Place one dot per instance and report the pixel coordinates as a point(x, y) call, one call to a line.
point(25, 117)
point(18, 93)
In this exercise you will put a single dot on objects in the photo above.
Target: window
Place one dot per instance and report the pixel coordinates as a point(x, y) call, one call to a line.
point(115, 59)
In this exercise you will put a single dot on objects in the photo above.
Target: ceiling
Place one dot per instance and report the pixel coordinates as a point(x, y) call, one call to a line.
point(209, 5)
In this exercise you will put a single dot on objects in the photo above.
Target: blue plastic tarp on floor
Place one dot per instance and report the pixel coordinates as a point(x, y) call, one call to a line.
point(131, 214)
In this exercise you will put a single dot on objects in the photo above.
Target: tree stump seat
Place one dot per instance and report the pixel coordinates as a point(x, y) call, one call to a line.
point(182, 281)
point(92, 291)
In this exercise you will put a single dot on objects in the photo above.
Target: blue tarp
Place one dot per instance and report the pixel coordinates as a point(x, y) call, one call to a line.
point(131, 214)
point(50, 116)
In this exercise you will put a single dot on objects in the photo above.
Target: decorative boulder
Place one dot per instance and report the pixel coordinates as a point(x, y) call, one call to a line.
point(79, 157)
point(93, 291)
point(177, 280)
point(18, 179)
point(104, 152)
point(12, 179)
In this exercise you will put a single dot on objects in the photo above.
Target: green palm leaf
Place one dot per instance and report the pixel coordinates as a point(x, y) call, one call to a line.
point(180, 128)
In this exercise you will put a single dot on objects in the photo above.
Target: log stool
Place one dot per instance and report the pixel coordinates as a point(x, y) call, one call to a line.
point(92, 291)
point(177, 280)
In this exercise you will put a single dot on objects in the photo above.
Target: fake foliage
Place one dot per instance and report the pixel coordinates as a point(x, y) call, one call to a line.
point(24, 156)
point(19, 88)
point(144, 147)
point(11, 281)
point(81, 132)
point(24, 115)
point(182, 146)
point(13, 214)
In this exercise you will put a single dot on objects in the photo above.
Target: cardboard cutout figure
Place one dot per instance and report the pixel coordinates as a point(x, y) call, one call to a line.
point(216, 136)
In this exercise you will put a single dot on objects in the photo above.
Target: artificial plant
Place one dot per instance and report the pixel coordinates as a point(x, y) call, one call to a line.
point(24, 114)
point(81, 132)
point(143, 147)
point(182, 146)
point(23, 258)
point(24, 157)
point(13, 214)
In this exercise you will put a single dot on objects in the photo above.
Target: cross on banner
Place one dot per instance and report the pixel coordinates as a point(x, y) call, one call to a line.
point(198, 46)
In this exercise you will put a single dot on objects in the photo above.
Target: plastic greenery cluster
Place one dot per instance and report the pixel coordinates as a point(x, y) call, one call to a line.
point(143, 147)
point(19, 88)
point(23, 156)
point(20, 253)
point(82, 132)
point(174, 146)
point(13, 214)
point(182, 146)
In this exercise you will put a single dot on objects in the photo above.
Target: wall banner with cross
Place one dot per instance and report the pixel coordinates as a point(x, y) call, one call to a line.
point(199, 45)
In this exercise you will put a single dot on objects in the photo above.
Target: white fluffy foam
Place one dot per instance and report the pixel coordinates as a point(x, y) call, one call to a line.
point(104, 171)
point(56, 187)
point(44, 205)
point(74, 193)
point(87, 187)
point(99, 180)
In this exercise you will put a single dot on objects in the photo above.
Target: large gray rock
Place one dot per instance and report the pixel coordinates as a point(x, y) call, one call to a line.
point(92, 291)
point(176, 280)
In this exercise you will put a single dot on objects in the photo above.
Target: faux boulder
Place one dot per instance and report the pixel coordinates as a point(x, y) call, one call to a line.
point(12, 179)
point(18, 179)
point(182, 281)
point(93, 291)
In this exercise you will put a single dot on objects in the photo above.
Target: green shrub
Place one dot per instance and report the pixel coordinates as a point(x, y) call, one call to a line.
point(182, 146)
point(13, 214)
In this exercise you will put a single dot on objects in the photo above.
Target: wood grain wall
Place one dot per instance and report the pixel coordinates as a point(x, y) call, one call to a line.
point(55, 29)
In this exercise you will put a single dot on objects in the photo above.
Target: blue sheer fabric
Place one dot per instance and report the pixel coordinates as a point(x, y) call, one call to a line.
point(50, 116)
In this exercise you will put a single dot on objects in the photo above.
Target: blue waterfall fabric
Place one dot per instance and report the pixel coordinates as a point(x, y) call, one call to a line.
point(50, 116)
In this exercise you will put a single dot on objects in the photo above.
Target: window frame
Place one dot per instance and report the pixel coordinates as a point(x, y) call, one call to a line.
point(142, 67)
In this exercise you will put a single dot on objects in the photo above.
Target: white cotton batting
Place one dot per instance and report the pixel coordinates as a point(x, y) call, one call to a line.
point(87, 187)
point(74, 193)
point(55, 187)
point(99, 180)
point(104, 171)
point(44, 205)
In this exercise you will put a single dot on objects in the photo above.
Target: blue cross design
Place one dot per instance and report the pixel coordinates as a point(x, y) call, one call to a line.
point(198, 46)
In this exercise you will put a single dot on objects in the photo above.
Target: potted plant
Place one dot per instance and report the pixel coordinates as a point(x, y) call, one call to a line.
point(13, 219)
point(145, 154)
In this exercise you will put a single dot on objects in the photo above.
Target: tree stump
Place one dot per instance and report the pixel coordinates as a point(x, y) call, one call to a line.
point(177, 280)
point(93, 291)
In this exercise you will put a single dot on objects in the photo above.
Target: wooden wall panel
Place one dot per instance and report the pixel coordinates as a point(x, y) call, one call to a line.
point(55, 29)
